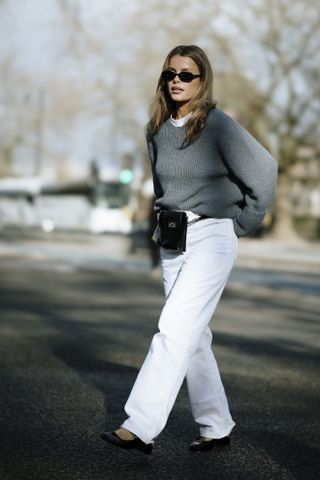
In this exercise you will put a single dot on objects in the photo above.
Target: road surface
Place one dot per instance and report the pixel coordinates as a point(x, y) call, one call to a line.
point(72, 339)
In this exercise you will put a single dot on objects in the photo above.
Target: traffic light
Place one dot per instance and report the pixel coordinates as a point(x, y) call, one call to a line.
point(126, 176)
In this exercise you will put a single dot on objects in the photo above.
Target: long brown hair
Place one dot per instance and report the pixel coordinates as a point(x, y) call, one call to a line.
point(163, 106)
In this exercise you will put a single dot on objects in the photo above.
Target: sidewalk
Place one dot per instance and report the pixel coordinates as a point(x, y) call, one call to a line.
point(278, 255)
point(113, 250)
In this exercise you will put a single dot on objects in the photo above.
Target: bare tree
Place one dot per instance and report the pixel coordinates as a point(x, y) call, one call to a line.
point(21, 106)
point(281, 38)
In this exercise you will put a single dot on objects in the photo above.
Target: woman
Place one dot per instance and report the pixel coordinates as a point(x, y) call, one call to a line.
point(204, 163)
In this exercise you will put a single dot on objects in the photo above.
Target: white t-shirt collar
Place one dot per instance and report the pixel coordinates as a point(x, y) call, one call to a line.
point(179, 122)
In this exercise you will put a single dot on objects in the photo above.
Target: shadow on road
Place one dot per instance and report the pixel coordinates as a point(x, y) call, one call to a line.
point(71, 347)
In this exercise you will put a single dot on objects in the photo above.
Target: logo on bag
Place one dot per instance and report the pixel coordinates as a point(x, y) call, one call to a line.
point(172, 224)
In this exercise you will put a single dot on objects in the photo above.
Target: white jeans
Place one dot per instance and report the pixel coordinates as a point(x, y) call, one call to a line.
point(193, 282)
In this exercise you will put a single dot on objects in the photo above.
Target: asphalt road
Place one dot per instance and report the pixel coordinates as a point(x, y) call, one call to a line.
point(72, 340)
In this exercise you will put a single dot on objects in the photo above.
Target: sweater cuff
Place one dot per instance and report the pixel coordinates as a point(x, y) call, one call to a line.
point(247, 221)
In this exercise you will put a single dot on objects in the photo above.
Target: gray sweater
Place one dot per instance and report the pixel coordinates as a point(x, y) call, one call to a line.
point(224, 173)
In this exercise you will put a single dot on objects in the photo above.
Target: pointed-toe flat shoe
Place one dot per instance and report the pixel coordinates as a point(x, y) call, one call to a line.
point(113, 438)
point(205, 445)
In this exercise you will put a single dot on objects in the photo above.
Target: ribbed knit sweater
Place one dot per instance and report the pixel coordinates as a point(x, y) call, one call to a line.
point(223, 173)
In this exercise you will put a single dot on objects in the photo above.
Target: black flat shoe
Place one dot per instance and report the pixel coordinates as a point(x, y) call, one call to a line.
point(113, 438)
point(205, 445)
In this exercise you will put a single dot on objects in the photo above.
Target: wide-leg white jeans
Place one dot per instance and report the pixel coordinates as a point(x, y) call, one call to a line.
point(193, 282)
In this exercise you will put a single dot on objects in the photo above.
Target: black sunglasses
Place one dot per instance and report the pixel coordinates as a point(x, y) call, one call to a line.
point(186, 77)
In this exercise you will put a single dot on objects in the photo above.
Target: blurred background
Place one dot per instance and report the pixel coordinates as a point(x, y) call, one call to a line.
point(80, 282)
point(76, 81)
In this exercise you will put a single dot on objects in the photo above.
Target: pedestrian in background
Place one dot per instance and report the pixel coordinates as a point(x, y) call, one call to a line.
point(153, 248)
point(206, 164)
